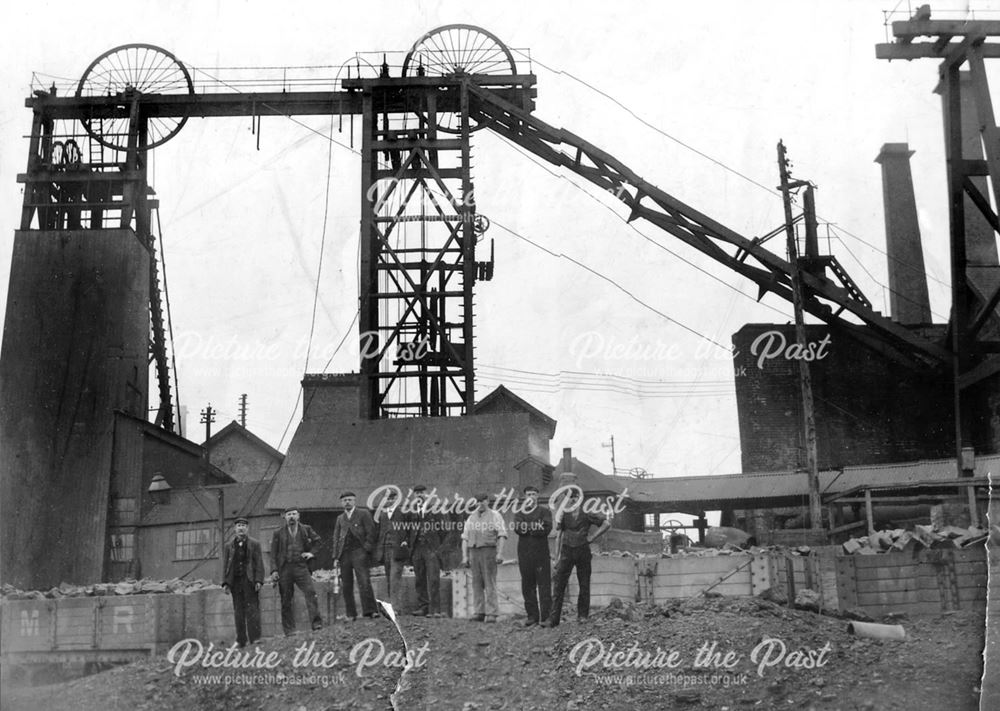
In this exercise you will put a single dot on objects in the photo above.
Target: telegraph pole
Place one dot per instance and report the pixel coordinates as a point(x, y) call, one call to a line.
point(805, 381)
point(207, 418)
point(221, 494)
point(243, 410)
point(614, 468)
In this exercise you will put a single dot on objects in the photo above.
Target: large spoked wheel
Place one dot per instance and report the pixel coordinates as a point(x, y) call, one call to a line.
point(128, 70)
point(455, 50)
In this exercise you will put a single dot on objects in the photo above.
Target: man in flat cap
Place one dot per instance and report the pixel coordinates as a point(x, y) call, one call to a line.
point(243, 576)
point(426, 533)
point(291, 550)
point(532, 524)
point(482, 539)
point(354, 538)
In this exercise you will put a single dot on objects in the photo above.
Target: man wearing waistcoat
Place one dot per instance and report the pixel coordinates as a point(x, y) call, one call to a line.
point(354, 539)
point(291, 551)
point(573, 544)
point(243, 576)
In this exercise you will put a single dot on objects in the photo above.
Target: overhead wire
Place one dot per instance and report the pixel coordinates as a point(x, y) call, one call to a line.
point(322, 246)
point(646, 237)
point(265, 482)
point(904, 297)
point(730, 169)
point(609, 384)
point(627, 292)
point(598, 375)
point(668, 433)
point(643, 121)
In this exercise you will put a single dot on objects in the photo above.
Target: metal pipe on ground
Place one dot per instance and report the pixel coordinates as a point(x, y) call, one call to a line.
point(873, 630)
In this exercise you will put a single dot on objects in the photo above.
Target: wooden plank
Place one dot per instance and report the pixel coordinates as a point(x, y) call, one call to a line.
point(910, 608)
point(762, 574)
point(972, 595)
point(27, 625)
point(686, 591)
point(884, 560)
point(741, 578)
point(921, 594)
point(972, 571)
point(847, 595)
point(695, 565)
point(125, 622)
point(967, 555)
point(898, 597)
point(866, 587)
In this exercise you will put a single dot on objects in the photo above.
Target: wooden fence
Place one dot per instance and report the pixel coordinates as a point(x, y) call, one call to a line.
point(926, 582)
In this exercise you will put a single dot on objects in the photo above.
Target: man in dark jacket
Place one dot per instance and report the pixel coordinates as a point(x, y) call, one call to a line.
point(291, 551)
point(532, 524)
point(393, 548)
point(354, 538)
point(243, 576)
point(426, 530)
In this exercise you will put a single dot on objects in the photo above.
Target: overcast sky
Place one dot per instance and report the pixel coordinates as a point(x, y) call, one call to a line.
point(715, 86)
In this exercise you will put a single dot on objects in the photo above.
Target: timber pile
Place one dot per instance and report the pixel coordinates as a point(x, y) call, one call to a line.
point(900, 541)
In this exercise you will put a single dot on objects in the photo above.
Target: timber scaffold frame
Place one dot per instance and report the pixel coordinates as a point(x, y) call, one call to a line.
point(975, 284)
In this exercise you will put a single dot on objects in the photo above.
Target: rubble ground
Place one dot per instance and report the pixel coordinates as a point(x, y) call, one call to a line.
point(473, 666)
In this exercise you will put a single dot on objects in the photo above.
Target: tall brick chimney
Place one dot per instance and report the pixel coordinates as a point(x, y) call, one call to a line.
point(908, 300)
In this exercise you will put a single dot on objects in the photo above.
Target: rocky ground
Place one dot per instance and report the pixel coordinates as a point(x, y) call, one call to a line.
point(476, 666)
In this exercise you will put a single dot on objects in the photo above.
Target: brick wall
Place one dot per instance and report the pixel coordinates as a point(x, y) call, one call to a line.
point(868, 409)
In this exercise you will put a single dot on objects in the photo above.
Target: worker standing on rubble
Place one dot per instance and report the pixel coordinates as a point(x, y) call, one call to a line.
point(243, 576)
point(532, 524)
point(573, 543)
point(354, 538)
point(426, 528)
point(291, 551)
point(482, 540)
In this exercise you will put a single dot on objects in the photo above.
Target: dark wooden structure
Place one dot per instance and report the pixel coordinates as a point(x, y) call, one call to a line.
point(972, 151)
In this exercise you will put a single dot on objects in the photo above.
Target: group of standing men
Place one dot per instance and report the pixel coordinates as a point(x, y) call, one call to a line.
point(398, 538)
point(532, 523)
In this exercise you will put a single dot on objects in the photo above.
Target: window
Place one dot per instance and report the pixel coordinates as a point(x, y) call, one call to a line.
point(195, 544)
point(122, 547)
point(122, 511)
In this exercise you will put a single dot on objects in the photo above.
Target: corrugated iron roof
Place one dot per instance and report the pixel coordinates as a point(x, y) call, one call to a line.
point(462, 455)
point(787, 487)
point(587, 478)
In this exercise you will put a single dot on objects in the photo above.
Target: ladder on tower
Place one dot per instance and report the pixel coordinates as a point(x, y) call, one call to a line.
point(850, 286)
point(158, 340)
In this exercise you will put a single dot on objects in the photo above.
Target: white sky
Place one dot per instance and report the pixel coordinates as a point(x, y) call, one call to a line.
point(243, 228)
